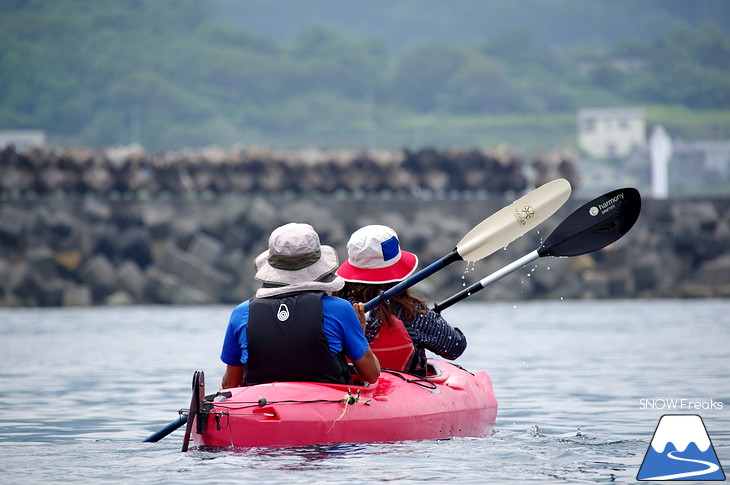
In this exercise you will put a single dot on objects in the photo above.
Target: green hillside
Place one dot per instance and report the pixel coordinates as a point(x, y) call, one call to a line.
point(175, 73)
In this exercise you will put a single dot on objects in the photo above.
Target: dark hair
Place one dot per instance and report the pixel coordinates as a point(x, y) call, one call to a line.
point(408, 301)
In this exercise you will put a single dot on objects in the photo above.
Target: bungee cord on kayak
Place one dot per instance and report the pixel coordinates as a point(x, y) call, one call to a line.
point(348, 399)
point(419, 381)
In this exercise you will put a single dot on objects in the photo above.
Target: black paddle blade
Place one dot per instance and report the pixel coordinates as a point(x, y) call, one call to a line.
point(595, 224)
point(196, 406)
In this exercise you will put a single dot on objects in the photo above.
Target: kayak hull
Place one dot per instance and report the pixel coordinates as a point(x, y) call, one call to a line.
point(449, 402)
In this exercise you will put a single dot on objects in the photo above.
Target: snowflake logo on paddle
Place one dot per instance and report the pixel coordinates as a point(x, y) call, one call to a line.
point(525, 214)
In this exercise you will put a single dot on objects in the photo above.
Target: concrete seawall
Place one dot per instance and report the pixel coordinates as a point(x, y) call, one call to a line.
point(96, 249)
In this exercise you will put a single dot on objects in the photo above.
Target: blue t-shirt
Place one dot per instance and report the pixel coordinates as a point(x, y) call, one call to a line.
point(341, 327)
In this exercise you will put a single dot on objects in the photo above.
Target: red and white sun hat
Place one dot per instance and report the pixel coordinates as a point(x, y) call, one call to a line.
point(374, 256)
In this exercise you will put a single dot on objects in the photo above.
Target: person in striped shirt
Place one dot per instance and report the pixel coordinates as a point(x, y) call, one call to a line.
point(403, 328)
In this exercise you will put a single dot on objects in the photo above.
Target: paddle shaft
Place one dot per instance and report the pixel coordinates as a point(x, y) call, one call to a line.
point(154, 438)
point(412, 280)
point(486, 281)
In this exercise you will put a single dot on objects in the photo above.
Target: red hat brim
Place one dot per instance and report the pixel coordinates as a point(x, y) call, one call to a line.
point(399, 271)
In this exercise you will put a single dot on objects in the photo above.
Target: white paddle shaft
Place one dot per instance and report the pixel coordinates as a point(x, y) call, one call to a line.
point(514, 266)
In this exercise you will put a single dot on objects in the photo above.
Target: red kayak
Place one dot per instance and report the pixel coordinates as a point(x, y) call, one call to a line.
point(449, 402)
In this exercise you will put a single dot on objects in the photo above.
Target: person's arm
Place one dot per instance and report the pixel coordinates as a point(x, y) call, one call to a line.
point(348, 319)
point(235, 347)
point(367, 367)
point(438, 336)
point(233, 376)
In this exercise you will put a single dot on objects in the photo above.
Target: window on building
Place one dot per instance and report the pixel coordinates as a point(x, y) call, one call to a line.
point(611, 150)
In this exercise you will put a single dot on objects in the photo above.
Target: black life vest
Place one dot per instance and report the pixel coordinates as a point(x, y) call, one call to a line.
point(286, 341)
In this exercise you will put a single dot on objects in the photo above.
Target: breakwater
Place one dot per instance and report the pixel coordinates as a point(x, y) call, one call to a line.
point(83, 227)
point(212, 170)
point(92, 250)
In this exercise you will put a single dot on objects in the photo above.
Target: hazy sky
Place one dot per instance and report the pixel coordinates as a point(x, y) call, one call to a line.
point(403, 23)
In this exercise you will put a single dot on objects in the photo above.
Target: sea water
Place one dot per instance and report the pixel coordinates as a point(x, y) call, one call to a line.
point(581, 387)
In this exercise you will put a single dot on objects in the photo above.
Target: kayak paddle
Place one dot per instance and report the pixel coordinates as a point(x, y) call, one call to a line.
point(172, 426)
point(493, 233)
point(195, 406)
point(589, 228)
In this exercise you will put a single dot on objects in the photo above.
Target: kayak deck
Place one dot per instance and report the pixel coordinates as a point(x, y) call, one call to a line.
point(449, 402)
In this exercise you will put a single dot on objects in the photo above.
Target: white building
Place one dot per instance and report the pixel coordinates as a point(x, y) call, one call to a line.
point(22, 139)
point(611, 132)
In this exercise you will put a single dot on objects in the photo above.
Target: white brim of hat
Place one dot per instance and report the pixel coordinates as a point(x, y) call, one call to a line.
point(305, 279)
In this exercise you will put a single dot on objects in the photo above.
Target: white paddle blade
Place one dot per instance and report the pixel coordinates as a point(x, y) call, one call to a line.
point(513, 221)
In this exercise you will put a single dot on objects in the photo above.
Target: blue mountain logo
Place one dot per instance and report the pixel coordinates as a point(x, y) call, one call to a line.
point(681, 450)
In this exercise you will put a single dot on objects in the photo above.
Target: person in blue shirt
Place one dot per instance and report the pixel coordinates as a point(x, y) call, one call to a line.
point(293, 330)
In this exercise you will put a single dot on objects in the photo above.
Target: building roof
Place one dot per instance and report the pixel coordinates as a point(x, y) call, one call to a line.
point(611, 112)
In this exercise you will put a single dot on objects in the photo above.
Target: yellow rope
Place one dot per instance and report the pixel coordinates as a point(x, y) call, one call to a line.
point(349, 399)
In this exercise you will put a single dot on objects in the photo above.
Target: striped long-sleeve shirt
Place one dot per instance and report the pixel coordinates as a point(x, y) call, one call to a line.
point(428, 331)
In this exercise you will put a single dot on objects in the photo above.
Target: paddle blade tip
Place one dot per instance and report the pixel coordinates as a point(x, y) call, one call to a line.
point(513, 221)
point(595, 224)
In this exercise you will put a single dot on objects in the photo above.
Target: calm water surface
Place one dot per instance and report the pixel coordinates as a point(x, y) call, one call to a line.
point(81, 388)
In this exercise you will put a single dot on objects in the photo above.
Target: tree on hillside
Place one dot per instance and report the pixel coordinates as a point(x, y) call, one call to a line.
point(482, 85)
point(422, 74)
point(329, 61)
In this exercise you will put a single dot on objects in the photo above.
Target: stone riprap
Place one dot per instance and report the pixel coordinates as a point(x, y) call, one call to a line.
point(81, 250)
point(213, 171)
point(85, 227)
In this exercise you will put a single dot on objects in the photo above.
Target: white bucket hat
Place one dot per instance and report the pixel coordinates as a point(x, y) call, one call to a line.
point(296, 261)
